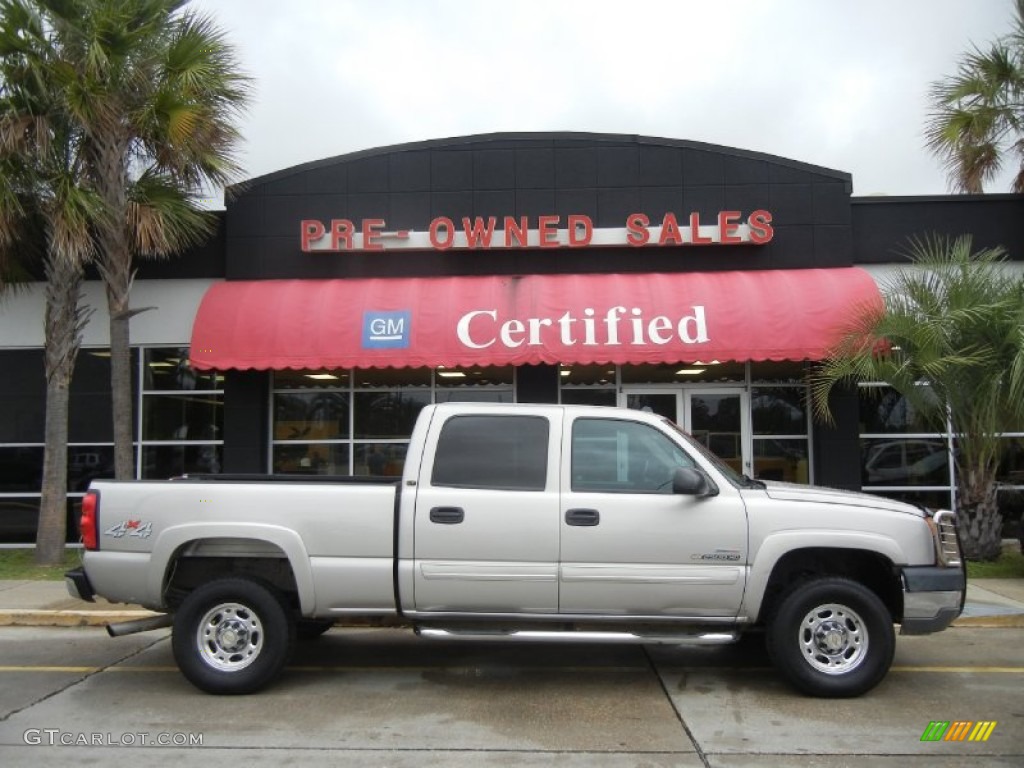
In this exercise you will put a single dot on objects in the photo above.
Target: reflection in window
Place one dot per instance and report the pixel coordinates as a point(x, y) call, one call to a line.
point(781, 459)
point(311, 459)
point(612, 456)
point(908, 461)
point(164, 461)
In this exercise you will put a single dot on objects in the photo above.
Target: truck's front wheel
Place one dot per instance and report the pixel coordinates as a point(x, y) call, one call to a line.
point(231, 636)
point(832, 637)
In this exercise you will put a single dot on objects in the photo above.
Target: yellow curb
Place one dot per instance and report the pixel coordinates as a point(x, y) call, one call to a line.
point(37, 618)
point(1000, 621)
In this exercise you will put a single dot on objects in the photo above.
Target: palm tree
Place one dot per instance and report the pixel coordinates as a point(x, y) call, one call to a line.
point(950, 340)
point(43, 198)
point(978, 114)
point(155, 91)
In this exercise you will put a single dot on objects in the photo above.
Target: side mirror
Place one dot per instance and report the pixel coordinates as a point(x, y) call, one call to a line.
point(689, 481)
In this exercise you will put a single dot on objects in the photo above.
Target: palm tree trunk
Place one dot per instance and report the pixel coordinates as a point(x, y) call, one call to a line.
point(115, 267)
point(63, 325)
point(981, 523)
point(118, 285)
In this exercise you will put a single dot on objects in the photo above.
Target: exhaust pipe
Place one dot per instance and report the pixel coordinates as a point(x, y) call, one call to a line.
point(139, 625)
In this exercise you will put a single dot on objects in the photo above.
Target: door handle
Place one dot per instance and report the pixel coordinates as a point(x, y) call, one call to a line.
point(583, 517)
point(447, 515)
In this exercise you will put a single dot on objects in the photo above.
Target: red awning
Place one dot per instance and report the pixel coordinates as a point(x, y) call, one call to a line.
point(495, 320)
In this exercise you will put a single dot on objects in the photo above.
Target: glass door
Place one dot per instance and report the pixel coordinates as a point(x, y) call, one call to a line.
point(717, 416)
point(720, 418)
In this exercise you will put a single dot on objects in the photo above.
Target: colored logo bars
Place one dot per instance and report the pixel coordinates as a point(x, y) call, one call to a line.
point(958, 730)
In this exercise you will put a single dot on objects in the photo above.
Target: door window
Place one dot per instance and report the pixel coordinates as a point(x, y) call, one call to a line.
point(612, 456)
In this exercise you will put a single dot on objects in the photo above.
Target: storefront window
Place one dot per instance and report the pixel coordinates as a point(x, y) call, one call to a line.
point(903, 456)
point(388, 414)
point(587, 384)
point(782, 372)
point(380, 459)
point(311, 415)
point(359, 421)
point(90, 453)
point(311, 458)
point(778, 410)
point(182, 424)
point(683, 373)
point(884, 410)
point(781, 459)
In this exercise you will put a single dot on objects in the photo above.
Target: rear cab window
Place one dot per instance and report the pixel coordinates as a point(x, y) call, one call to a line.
point(497, 452)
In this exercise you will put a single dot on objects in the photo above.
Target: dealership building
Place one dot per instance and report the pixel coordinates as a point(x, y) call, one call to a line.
point(339, 297)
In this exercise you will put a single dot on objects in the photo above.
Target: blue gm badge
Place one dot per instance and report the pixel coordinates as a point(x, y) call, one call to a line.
point(386, 330)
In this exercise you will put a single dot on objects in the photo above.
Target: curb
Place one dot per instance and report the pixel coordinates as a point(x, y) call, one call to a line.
point(37, 618)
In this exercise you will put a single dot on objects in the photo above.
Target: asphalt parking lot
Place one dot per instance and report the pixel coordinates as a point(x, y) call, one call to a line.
point(385, 698)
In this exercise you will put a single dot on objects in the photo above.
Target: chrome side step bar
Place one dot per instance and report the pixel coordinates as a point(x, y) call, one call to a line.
point(554, 636)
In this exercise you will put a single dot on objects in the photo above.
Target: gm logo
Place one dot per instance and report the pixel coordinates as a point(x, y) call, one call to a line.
point(386, 330)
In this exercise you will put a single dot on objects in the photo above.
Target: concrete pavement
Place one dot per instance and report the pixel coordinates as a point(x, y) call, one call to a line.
point(990, 603)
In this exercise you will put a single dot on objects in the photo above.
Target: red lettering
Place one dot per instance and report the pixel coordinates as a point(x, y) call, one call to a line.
point(761, 230)
point(371, 234)
point(312, 230)
point(520, 231)
point(478, 234)
point(695, 236)
point(548, 226)
point(341, 234)
point(636, 229)
point(581, 230)
point(670, 230)
point(441, 226)
point(727, 223)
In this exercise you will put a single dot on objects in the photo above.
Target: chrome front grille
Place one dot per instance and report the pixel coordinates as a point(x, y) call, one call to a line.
point(947, 546)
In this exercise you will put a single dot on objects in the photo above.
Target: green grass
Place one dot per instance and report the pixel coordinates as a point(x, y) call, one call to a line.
point(20, 564)
point(1010, 565)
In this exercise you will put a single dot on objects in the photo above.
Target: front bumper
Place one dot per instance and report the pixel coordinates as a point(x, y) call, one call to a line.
point(932, 598)
point(78, 585)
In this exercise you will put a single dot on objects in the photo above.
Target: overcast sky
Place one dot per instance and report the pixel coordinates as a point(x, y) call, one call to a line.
point(838, 84)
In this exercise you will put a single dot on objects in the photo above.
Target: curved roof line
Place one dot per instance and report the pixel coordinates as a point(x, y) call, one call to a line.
point(552, 136)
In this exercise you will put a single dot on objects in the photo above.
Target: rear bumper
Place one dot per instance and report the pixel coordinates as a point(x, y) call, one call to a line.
point(932, 599)
point(78, 585)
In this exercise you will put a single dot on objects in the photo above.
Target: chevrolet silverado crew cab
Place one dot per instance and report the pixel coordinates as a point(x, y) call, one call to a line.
point(528, 523)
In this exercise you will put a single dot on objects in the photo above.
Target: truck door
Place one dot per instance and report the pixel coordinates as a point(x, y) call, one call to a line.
point(486, 520)
point(629, 546)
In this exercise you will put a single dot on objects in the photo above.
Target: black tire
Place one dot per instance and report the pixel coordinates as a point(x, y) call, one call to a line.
point(311, 629)
point(232, 636)
point(832, 638)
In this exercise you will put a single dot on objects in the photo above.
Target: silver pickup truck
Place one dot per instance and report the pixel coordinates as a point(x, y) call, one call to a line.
point(526, 522)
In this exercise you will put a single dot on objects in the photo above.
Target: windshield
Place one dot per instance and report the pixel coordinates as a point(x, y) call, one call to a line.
point(731, 474)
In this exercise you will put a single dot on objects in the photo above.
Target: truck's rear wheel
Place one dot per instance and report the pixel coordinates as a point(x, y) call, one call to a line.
point(832, 637)
point(231, 636)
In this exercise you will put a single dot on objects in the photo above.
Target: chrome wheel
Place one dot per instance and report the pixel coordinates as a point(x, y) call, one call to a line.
point(229, 637)
point(833, 639)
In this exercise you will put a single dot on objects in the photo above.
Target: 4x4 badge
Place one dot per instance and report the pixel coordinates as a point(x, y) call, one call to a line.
point(130, 528)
